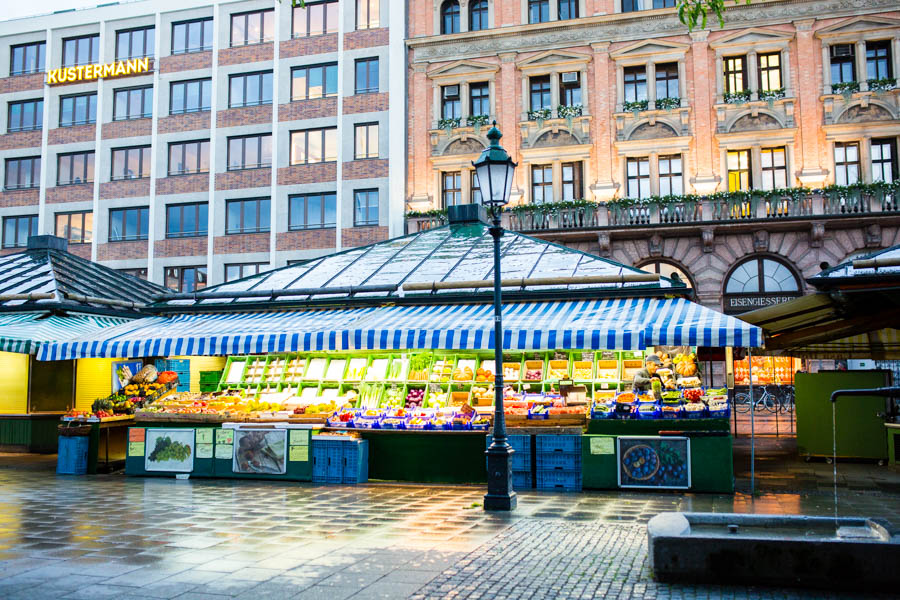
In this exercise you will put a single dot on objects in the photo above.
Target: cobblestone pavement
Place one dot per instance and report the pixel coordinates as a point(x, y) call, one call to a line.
point(112, 536)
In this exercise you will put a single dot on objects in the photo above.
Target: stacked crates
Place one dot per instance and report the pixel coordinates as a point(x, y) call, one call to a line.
point(209, 380)
point(340, 460)
point(522, 478)
point(181, 366)
point(558, 462)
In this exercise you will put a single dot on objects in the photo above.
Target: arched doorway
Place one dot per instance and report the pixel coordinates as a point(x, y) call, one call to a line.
point(757, 282)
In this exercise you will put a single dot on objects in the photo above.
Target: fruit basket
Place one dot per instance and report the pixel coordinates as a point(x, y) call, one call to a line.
point(534, 370)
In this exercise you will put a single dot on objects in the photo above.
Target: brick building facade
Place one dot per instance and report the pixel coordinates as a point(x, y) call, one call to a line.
point(238, 150)
point(630, 132)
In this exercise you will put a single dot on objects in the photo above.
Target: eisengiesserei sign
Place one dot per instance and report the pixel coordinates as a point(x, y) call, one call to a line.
point(92, 72)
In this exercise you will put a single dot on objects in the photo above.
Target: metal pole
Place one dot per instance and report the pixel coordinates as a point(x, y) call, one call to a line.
point(500, 495)
point(752, 429)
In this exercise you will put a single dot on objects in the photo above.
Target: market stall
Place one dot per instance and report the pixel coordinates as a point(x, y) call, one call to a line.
point(48, 295)
point(381, 342)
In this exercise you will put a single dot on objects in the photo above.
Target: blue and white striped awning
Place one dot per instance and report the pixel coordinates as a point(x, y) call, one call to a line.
point(622, 324)
point(25, 332)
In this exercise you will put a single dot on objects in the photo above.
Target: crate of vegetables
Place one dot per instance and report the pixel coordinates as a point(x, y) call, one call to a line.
point(557, 369)
point(419, 367)
point(415, 396)
point(534, 370)
point(512, 371)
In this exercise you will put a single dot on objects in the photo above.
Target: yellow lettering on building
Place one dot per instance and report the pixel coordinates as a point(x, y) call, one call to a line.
point(90, 72)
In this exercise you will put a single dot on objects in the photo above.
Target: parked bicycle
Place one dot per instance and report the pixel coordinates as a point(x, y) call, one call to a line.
point(781, 399)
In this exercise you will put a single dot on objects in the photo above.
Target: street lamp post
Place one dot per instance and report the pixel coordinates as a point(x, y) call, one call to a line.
point(495, 176)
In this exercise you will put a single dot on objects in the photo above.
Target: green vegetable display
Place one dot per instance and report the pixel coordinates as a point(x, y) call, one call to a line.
point(166, 449)
point(418, 362)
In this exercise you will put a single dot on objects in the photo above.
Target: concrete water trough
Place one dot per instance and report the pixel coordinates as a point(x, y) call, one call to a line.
point(781, 550)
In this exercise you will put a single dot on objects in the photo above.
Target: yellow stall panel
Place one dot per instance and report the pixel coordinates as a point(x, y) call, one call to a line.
point(93, 379)
point(203, 363)
point(13, 383)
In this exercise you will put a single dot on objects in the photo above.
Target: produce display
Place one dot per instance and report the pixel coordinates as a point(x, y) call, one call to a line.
point(139, 390)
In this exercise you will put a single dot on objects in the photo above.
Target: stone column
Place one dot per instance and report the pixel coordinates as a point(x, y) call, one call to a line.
point(464, 103)
point(809, 114)
point(705, 180)
point(826, 68)
point(436, 102)
point(861, 65)
point(865, 159)
point(582, 81)
point(554, 10)
point(682, 81)
point(554, 94)
point(752, 61)
point(463, 15)
point(601, 127)
point(895, 54)
point(651, 85)
point(785, 58)
point(620, 87)
point(720, 78)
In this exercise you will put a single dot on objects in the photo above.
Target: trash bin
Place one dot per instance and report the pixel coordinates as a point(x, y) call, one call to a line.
point(72, 457)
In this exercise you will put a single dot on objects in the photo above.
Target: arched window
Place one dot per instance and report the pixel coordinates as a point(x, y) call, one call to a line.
point(667, 269)
point(478, 15)
point(450, 17)
point(758, 282)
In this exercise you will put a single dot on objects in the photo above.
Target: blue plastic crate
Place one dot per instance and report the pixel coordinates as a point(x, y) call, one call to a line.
point(562, 481)
point(521, 458)
point(355, 467)
point(335, 470)
point(695, 414)
point(558, 443)
point(320, 460)
point(522, 480)
point(179, 365)
point(558, 461)
point(72, 457)
point(725, 413)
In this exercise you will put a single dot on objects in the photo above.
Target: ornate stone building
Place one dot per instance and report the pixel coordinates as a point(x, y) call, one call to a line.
point(614, 103)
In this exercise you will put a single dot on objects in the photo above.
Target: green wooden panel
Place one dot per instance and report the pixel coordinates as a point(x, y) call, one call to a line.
point(598, 470)
point(712, 464)
point(15, 432)
point(427, 457)
point(654, 426)
point(44, 435)
point(860, 431)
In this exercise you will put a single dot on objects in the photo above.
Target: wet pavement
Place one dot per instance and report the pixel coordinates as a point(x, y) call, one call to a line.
point(113, 536)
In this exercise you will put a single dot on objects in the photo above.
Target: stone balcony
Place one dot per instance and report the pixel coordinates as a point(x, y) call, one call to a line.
point(861, 105)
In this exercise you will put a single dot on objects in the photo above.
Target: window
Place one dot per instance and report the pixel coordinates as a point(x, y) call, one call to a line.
point(27, 58)
point(667, 81)
point(367, 76)
point(570, 88)
point(774, 168)
point(480, 98)
point(133, 103)
point(135, 43)
point(131, 163)
point(540, 92)
point(365, 203)
point(252, 28)
point(128, 224)
point(313, 146)
point(366, 138)
point(78, 110)
point(241, 270)
point(636, 5)
point(23, 173)
point(478, 15)
point(637, 172)
point(541, 184)
point(669, 270)
point(735, 74)
point(568, 9)
point(190, 96)
point(316, 18)
point(770, 72)
point(84, 50)
point(571, 182)
point(878, 60)
point(26, 115)
point(538, 11)
point(450, 17)
point(251, 89)
point(843, 63)
point(314, 81)
point(189, 157)
point(671, 180)
point(761, 275)
point(451, 188)
point(76, 227)
point(187, 220)
point(450, 104)
point(192, 36)
point(77, 167)
point(186, 279)
point(884, 160)
point(738, 170)
point(247, 216)
point(635, 79)
point(17, 230)
point(250, 152)
point(140, 273)
point(312, 211)
point(846, 163)
point(367, 14)
point(476, 188)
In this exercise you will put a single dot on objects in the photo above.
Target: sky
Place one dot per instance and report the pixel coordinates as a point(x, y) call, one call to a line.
point(16, 8)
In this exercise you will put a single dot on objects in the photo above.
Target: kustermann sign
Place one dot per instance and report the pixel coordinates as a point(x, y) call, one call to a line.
point(91, 72)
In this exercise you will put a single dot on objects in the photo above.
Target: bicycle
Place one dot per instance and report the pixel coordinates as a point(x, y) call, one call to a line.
point(766, 401)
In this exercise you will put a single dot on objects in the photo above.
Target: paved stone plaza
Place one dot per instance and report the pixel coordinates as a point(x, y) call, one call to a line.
point(112, 536)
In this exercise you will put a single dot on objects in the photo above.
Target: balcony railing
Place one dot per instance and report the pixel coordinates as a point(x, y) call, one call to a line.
point(723, 208)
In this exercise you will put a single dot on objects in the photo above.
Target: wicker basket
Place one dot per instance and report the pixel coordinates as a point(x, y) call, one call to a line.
point(74, 428)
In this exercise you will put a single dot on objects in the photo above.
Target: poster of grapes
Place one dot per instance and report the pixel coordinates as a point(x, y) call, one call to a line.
point(169, 450)
point(654, 462)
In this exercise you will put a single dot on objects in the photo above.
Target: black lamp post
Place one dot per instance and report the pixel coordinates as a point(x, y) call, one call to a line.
point(495, 176)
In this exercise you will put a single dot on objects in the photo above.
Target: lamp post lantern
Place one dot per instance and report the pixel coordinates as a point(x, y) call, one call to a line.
point(495, 171)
